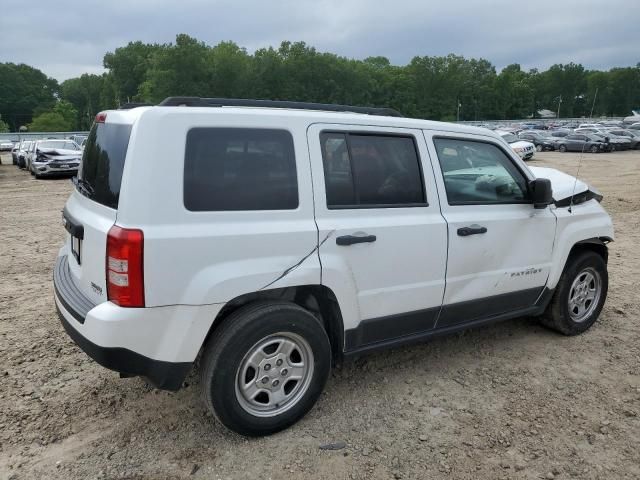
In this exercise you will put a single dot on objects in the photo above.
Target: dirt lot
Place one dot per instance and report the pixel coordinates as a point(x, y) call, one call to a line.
point(507, 401)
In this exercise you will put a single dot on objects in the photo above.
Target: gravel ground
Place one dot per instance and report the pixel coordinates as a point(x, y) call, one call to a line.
point(511, 400)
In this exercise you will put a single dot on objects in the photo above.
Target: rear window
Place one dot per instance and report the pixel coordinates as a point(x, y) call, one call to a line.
point(231, 169)
point(100, 173)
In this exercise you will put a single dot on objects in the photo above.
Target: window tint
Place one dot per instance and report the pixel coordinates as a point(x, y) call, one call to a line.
point(103, 163)
point(479, 173)
point(239, 169)
point(371, 170)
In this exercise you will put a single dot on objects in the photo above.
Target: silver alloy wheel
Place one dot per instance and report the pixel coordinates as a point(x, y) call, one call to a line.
point(584, 294)
point(274, 374)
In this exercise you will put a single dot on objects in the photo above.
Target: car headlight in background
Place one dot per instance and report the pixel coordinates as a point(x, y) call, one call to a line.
point(518, 149)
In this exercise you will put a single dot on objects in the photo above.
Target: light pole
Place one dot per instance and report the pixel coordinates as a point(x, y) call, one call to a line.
point(458, 113)
point(559, 102)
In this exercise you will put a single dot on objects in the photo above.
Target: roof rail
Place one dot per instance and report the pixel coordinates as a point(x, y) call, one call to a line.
point(245, 102)
point(130, 105)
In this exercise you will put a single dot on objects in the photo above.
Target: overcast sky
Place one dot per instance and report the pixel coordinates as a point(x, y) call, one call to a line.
point(66, 38)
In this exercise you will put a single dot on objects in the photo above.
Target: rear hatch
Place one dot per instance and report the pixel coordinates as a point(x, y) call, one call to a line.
point(91, 210)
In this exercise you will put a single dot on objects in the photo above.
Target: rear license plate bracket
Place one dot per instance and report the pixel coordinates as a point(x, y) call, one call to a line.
point(76, 246)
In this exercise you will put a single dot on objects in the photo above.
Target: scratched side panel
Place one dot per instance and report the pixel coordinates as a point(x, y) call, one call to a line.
point(205, 257)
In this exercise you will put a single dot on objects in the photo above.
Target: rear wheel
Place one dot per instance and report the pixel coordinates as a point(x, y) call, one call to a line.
point(265, 368)
point(594, 149)
point(562, 148)
point(579, 296)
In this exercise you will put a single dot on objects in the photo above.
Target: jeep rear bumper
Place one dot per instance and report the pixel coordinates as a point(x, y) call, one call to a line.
point(74, 310)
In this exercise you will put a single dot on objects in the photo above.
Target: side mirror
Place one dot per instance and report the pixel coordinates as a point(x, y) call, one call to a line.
point(541, 191)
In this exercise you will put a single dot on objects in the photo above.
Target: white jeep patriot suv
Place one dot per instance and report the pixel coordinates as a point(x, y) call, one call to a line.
point(272, 239)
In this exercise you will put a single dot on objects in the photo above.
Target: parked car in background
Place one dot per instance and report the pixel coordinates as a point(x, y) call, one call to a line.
point(589, 125)
point(633, 142)
point(634, 126)
point(579, 142)
point(560, 133)
point(540, 140)
point(610, 123)
point(14, 153)
point(23, 150)
point(55, 157)
point(633, 135)
point(6, 145)
point(523, 148)
point(617, 143)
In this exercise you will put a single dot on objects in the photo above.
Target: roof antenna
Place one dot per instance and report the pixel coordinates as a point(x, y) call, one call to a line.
point(575, 183)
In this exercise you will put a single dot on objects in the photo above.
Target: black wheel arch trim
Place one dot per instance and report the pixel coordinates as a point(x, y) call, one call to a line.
point(600, 244)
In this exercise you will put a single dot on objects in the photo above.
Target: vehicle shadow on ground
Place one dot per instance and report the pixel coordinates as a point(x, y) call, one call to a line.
point(434, 360)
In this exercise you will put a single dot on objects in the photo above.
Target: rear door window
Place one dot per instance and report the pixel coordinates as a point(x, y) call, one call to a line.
point(232, 169)
point(100, 173)
point(371, 170)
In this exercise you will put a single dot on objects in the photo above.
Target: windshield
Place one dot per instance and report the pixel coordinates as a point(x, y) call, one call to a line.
point(100, 173)
point(510, 137)
point(64, 145)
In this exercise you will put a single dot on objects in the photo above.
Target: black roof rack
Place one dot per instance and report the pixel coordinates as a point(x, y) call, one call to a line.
point(130, 105)
point(245, 102)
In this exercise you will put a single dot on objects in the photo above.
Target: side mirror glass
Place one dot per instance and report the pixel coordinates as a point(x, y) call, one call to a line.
point(541, 192)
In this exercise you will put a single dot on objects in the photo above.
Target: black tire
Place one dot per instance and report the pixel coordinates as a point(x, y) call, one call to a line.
point(558, 316)
point(231, 343)
point(562, 148)
point(594, 149)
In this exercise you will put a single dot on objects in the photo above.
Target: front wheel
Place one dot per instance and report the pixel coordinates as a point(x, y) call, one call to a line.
point(562, 148)
point(579, 296)
point(594, 149)
point(265, 368)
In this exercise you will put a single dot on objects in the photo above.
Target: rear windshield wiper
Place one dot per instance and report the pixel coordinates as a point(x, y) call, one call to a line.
point(84, 186)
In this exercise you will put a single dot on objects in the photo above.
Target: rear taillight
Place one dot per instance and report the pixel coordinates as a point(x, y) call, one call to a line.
point(124, 267)
point(101, 117)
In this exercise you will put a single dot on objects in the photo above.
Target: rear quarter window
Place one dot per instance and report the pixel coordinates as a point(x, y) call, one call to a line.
point(232, 169)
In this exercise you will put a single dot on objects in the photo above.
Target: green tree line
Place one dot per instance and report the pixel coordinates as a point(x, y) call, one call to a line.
point(439, 88)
